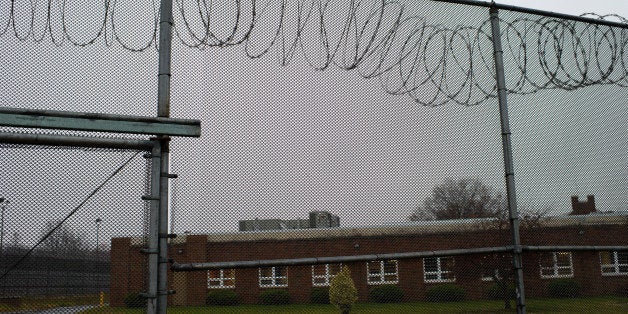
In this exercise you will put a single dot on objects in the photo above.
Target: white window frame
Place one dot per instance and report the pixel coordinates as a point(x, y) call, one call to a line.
point(440, 271)
point(327, 277)
point(490, 278)
point(274, 278)
point(379, 278)
point(613, 269)
point(555, 268)
point(221, 280)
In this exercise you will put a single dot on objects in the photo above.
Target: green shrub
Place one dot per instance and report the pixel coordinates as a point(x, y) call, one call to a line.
point(134, 299)
point(274, 297)
point(445, 293)
point(320, 295)
point(386, 294)
point(496, 291)
point(563, 288)
point(342, 291)
point(221, 297)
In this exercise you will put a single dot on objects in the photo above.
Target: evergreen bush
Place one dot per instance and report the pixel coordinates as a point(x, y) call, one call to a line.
point(386, 294)
point(274, 297)
point(563, 288)
point(445, 293)
point(342, 291)
point(222, 297)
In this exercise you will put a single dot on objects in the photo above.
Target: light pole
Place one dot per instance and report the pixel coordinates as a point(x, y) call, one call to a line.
point(98, 221)
point(3, 206)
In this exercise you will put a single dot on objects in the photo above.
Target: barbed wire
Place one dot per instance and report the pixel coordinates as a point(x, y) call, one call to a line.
point(410, 54)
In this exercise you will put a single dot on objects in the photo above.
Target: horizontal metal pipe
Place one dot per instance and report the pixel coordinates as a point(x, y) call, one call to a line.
point(98, 122)
point(537, 12)
point(388, 256)
point(334, 259)
point(564, 248)
point(74, 141)
point(99, 116)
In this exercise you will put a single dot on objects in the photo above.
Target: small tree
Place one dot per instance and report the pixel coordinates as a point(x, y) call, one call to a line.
point(342, 291)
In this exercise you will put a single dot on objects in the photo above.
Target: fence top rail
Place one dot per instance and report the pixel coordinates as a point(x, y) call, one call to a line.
point(99, 122)
point(537, 12)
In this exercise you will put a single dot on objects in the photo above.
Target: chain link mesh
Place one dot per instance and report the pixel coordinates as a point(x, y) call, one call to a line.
point(363, 135)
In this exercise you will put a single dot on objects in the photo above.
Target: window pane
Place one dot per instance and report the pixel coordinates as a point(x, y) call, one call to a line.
point(214, 273)
point(606, 258)
point(229, 273)
point(608, 269)
point(547, 260)
point(563, 259)
point(280, 271)
point(564, 271)
point(390, 267)
point(431, 277)
point(547, 271)
point(448, 276)
point(282, 281)
point(335, 268)
point(374, 267)
point(390, 277)
point(447, 263)
point(430, 264)
point(266, 272)
point(623, 269)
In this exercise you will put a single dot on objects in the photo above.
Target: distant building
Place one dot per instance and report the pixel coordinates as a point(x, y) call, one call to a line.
point(582, 208)
point(317, 219)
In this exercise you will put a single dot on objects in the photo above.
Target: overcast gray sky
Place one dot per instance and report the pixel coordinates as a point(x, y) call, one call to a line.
point(281, 141)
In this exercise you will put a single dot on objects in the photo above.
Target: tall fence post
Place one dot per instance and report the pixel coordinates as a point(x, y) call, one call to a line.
point(508, 164)
point(163, 110)
point(153, 232)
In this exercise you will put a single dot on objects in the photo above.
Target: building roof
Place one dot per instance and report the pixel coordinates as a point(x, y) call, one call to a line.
point(412, 228)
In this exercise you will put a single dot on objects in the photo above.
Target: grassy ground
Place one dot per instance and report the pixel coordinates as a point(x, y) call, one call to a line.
point(42, 303)
point(585, 305)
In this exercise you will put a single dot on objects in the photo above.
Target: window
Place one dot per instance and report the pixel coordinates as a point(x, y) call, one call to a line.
point(439, 269)
point(556, 265)
point(221, 278)
point(382, 272)
point(322, 274)
point(489, 274)
point(273, 276)
point(614, 263)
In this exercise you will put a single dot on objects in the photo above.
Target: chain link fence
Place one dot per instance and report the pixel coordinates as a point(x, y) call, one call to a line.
point(336, 135)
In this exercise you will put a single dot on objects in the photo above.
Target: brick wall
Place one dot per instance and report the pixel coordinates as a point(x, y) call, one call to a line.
point(410, 271)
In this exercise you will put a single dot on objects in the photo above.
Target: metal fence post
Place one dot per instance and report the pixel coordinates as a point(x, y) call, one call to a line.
point(508, 164)
point(163, 110)
point(153, 233)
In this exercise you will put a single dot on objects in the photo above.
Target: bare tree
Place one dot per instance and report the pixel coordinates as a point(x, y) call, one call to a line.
point(457, 199)
point(63, 241)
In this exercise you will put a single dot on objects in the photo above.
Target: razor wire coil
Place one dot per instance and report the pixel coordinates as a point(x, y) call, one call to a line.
point(408, 53)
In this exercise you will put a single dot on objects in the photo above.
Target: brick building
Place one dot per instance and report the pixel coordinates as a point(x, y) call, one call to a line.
point(598, 272)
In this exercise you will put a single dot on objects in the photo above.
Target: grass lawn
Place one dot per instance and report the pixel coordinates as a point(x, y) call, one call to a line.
point(42, 303)
point(588, 305)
